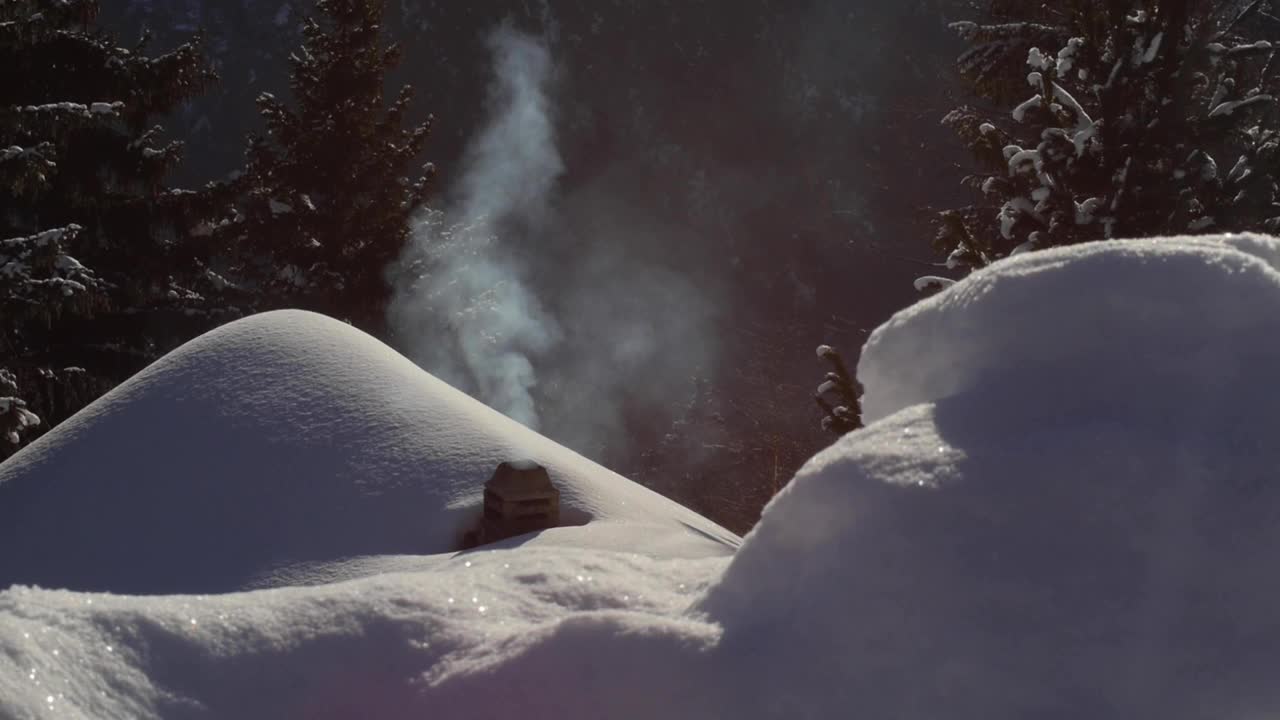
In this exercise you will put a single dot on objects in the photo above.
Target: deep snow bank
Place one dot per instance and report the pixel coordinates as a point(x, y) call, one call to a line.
point(1091, 326)
point(529, 632)
point(283, 439)
point(1076, 514)
point(976, 553)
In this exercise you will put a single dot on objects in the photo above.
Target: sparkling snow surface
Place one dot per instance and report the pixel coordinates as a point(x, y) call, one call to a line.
point(276, 443)
point(1066, 507)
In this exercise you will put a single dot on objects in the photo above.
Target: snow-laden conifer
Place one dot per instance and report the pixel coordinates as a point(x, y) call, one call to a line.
point(328, 192)
point(1103, 120)
point(99, 269)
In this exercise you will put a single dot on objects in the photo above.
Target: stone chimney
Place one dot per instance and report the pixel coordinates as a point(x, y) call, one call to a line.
point(518, 499)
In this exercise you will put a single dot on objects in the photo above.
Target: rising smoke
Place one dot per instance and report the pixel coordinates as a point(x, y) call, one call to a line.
point(638, 233)
point(565, 308)
point(462, 308)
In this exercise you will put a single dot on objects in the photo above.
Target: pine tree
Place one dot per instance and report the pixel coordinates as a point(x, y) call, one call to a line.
point(1123, 118)
point(326, 196)
point(846, 415)
point(99, 270)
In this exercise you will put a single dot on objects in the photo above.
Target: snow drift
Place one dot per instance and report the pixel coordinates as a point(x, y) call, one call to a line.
point(1066, 507)
point(284, 440)
point(1100, 327)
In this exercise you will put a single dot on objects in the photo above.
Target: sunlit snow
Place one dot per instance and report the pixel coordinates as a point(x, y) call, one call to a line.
point(1064, 506)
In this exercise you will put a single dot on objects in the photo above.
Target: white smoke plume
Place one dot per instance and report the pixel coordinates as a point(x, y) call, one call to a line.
point(566, 303)
point(462, 309)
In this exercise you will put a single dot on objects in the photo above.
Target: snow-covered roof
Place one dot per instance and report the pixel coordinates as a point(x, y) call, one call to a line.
point(285, 438)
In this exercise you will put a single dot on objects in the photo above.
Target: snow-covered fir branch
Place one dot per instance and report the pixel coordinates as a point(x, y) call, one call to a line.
point(1109, 141)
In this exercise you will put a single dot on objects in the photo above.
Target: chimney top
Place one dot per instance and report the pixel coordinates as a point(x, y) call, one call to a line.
point(520, 477)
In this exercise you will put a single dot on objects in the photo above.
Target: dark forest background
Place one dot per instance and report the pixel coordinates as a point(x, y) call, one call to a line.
point(771, 158)
point(638, 221)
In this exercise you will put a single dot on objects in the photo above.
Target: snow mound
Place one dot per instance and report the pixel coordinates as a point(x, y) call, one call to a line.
point(280, 440)
point(1072, 510)
point(1081, 326)
point(1017, 543)
point(561, 633)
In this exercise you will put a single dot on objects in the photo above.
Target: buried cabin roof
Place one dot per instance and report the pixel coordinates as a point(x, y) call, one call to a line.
point(521, 477)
